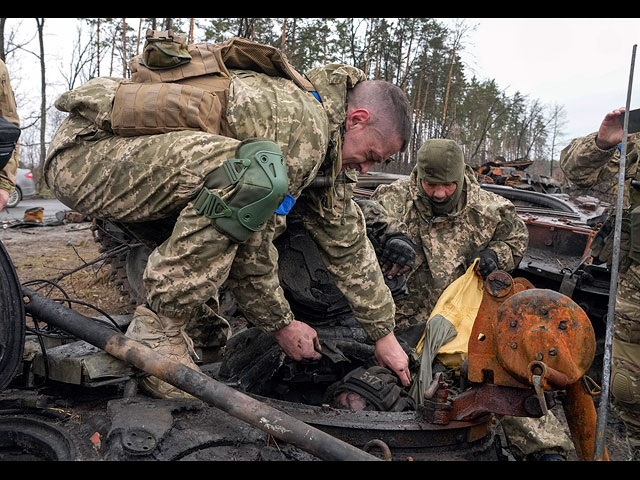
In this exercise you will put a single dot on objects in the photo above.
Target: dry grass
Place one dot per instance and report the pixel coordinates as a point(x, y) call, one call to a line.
point(50, 253)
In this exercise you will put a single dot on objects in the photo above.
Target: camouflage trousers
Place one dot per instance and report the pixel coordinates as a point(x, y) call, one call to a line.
point(133, 179)
point(529, 438)
point(625, 357)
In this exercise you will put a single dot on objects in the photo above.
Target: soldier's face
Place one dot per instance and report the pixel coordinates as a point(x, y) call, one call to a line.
point(364, 144)
point(438, 192)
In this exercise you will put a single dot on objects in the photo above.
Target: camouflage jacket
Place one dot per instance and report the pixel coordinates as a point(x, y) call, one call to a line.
point(9, 111)
point(310, 136)
point(329, 214)
point(446, 244)
point(592, 168)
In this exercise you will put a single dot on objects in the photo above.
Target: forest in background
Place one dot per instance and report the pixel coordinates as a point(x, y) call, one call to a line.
point(420, 55)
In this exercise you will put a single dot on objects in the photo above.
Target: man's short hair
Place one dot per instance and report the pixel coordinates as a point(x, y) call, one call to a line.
point(387, 104)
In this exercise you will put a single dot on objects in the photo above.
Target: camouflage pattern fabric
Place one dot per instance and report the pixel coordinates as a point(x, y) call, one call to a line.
point(595, 170)
point(210, 333)
point(529, 438)
point(142, 178)
point(445, 246)
point(446, 243)
point(9, 111)
point(585, 164)
point(625, 356)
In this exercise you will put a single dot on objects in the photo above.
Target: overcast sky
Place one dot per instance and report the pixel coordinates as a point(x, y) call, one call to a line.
point(581, 64)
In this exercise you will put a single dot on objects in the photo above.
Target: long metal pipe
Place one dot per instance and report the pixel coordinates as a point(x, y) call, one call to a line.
point(601, 425)
point(258, 414)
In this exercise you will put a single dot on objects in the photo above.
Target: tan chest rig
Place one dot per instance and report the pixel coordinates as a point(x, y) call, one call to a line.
point(179, 86)
point(175, 86)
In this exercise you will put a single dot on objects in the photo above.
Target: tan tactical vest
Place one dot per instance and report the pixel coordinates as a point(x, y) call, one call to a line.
point(176, 86)
point(8, 108)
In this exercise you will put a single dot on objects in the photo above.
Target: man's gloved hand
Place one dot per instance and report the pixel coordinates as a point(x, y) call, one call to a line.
point(488, 262)
point(398, 256)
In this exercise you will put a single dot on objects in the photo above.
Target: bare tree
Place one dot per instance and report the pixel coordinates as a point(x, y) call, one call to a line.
point(558, 122)
point(140, 33)
point(80, 68)
point(124, 48)
point(495, 112)
point(43, 103)
point(284, 34)
point(3, 56)
point(461, 29)
point(408, 63)
point(8, 43)
point(98, 45)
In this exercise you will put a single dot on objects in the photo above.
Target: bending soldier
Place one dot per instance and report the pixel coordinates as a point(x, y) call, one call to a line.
point(591, 161)
point(276, 131)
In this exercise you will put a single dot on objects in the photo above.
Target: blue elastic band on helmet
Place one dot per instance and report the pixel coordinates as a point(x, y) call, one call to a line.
point(315, 94)
point(286, 205)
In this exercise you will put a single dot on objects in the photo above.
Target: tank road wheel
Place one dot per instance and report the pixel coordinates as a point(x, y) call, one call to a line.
point(12, 320)
point(111, 238)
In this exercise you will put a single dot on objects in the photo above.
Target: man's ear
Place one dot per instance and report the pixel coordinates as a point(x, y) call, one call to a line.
point(358, 116)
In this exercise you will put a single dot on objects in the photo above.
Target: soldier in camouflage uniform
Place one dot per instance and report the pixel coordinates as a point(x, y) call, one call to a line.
point(9, 112)
point(351, 125)
point(594, 160)
point(452, 221)
point(448, 235)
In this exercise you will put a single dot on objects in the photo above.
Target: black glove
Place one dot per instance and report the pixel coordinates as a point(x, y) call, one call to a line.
point(488, 262)
point(9, 134)
point(399, 255)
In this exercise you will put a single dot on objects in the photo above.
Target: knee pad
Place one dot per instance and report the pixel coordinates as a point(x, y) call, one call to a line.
point(258, 176)
point(624, 385)
point(625, 374)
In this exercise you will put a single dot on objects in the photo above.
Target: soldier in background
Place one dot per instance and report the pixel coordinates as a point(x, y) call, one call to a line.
point(346, 124)
point(591, 161)
point(452, 221)
point(9, 112)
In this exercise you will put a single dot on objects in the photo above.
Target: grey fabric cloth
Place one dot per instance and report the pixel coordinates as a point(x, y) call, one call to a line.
point(439, 331)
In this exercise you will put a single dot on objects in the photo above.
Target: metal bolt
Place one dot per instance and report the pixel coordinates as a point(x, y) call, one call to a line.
point(513, 345)
point(539, 356)
point(553, 351)
point(513, 323)
point(562, 325)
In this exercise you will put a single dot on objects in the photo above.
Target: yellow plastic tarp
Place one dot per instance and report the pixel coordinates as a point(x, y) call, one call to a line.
point(458, 304)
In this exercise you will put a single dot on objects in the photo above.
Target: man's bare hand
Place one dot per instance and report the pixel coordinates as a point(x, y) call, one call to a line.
point(390, 354)
point(610, 131)
point(299, 341)
point(4, 198)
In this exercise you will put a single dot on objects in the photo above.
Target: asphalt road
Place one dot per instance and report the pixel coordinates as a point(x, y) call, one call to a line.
point(51, 206)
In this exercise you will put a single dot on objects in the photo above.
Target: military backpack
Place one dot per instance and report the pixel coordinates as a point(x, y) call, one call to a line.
point(179, 86)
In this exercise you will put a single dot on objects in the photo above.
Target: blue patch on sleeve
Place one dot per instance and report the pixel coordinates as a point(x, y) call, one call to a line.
point(286, 205)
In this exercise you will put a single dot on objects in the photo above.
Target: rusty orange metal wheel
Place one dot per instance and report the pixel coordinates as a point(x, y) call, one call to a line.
point(540, 328)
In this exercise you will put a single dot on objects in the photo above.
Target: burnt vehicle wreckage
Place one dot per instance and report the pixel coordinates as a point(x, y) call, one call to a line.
point(68, 381)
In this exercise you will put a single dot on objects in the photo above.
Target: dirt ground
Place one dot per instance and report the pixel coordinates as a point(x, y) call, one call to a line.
point(49, 252)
